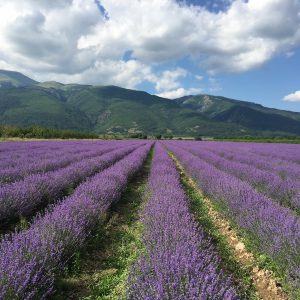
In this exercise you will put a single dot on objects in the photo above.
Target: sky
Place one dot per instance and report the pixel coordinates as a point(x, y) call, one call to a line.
point(242, 49)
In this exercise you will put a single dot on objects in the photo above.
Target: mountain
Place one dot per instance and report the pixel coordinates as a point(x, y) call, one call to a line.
point(115, 110)
point(254, 117)
point(9, 79)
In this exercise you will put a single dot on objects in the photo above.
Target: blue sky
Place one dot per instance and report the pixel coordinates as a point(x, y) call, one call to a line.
point(211, 5)
point(243, 49)
point(266, 85)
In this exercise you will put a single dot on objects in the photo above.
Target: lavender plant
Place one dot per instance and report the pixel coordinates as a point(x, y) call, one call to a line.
point(275, 228)
point(179, 261)
point(30, 260)
point(285, 190)
point(24, 197)
point(58, 159)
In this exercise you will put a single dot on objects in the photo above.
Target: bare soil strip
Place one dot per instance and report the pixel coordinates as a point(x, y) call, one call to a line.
point(266, 286)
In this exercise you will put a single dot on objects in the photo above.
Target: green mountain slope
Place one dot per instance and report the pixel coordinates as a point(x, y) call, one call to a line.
point(115, 110)
point(10, 79)
point(259, 120)
point(247, 114)
point(121, 111)
point(35, 106)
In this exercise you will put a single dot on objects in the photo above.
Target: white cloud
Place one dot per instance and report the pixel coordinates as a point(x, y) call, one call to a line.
point(168, 85)
point(108, 72)
point(199, 77)
point(293, 97)
point(168, 80)
point(180, 92)
point(71, 39)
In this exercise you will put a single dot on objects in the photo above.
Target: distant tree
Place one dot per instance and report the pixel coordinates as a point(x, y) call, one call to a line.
point(168, 137)
point(158, 136)
point(43, 133)
point(139, 135)
point(9, 131)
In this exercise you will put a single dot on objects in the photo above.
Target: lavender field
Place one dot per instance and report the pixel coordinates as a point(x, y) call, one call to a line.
point(142, 219)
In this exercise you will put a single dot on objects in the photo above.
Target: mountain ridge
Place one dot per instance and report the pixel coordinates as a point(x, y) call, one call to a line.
point(115, 110)
point(10, 79)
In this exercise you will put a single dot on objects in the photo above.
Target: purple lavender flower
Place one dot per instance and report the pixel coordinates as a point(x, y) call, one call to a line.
point(23, 198)
point(275, 228)
point(179, 261)
point(30, 260)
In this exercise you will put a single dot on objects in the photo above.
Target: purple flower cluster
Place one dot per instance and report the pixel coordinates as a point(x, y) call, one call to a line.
point(19, 153)
point(284, 190)
point(279, 166)
point(179, 261)
point(286, 152)
point(47, 161)
point(275, 228)
point(23, 198)
point(29, 260)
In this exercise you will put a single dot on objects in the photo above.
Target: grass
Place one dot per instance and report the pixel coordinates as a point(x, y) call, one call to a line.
point(100, 270)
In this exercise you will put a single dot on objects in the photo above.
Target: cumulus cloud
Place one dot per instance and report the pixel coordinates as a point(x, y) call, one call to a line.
point(85, 40)
point(168, 80)
point(127, 74)
point(293, 97)
point(180, 92)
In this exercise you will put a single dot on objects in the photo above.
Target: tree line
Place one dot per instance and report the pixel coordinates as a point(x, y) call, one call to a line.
point(38, 132)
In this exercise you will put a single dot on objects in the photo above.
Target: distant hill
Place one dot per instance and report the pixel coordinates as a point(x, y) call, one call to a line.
point(115, 110)
point(9, 79)
point(252, 116)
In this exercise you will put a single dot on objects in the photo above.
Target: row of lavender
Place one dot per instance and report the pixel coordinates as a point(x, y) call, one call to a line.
point(276, 182)
point(23, 198)
point(30, 260)
point(18, 164)
point(273, 157)
point(179, 261)
point(287, 152)
point(48, 161)
point(282, 167)
point(275, 228)
point(15, 153)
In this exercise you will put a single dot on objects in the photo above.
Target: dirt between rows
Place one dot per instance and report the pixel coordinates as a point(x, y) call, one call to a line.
point(266, 286)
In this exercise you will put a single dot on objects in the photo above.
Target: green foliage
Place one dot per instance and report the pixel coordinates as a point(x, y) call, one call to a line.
point(168, 137)
point(138, 136)
point(23, 224)
point(43, 133)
